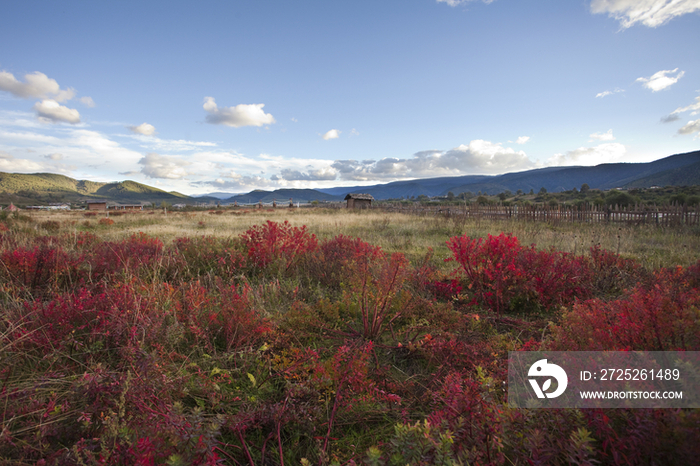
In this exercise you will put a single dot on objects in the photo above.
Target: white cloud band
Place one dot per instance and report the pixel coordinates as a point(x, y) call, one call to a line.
point(144, 129)
point(332, 134)
point(51, 111)
point(651, 13)
point(660, 80)
point(36, 85)
point(240, 115)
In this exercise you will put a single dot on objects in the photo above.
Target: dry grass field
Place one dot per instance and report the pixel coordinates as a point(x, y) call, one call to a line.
point(395, 232)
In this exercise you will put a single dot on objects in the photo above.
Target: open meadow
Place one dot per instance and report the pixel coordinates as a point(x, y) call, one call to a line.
point(321, 336)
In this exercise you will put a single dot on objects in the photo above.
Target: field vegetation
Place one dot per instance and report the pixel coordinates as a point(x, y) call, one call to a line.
point(312, 336)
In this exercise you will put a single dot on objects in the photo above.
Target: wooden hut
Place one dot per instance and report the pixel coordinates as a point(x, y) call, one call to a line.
point(359, 201)
point(97, 205)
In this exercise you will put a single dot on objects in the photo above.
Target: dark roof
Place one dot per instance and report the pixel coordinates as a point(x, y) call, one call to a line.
point(366, 197)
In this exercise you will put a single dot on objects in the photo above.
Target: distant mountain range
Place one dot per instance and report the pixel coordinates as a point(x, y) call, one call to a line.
point(675, 170)
point(42, 188)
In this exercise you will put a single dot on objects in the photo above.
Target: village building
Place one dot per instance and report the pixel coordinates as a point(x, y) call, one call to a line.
point(48, 207)
point(97, 205)
point(126, 207)
point(359, 201)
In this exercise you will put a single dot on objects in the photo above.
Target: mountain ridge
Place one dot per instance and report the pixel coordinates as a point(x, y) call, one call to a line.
point(674, 170)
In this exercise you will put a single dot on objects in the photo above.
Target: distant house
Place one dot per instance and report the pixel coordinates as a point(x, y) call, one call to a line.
point(97, 205)
point(359, 201)
point(49, 207)
point(12, 208)
point(127, 207)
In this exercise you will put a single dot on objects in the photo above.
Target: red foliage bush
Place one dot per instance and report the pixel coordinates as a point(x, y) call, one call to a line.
point(277, 241)
point(44, 267)
point(613, 274)
point(500, 274)
point(130, 256)
point(86, 323)
point(199, 256)
point(460, 407)
point(222, 320)
point(332, 263)
point(661, 316)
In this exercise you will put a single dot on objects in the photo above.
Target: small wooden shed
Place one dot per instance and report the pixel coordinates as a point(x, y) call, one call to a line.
point(359, 201)
point(97, 205)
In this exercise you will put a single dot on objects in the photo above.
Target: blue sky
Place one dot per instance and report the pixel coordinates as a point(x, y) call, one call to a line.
point(231, 96)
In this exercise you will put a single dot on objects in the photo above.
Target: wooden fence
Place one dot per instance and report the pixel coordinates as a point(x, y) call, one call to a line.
point(666, 215)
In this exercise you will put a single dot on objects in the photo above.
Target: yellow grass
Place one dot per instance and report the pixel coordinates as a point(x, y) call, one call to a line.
point(410, 234)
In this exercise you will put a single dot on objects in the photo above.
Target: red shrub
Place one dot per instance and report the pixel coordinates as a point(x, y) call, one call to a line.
point(460, 406)
point(204, 255)
point(331, 263)
point(222, 320)
point(613, 274)
point(277, 241)
point(661, 316)
point(85, 321)
point(502, 275)
point(127, 256)
point(44, 267)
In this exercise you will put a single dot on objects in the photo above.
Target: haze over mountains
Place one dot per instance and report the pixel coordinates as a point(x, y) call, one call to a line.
point(675, 170)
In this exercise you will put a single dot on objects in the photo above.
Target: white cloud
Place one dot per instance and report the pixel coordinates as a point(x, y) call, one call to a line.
point(8, 163)
point(322, 174)
point(607, 136)
point(158, 166)
point(143, 128)
point(50, 111)
point(87, 101)
point(660, 80)
point(171, 145)
point(478, 157)
point(694, 108)
point(36, 85)
point(354, 132)
point(238, 183)
point(522, 139)
point(332, 134)
point(651, 13)
point(603, 153)
point(54, 156)
point(607, 93)
point(459, 2)
point(240, 115)
point(24, 137)
point(690, 128)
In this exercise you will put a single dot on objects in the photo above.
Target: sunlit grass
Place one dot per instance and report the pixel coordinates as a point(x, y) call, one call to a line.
point(397, 232)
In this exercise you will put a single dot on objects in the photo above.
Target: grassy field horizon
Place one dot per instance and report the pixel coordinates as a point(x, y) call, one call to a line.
point(413, 235)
